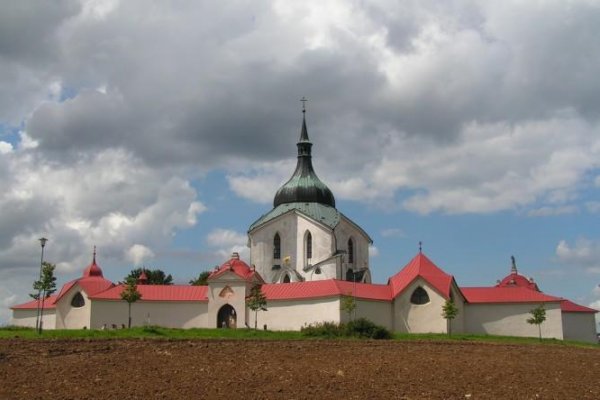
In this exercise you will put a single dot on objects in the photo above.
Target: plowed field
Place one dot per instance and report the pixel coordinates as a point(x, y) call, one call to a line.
point(214, 369)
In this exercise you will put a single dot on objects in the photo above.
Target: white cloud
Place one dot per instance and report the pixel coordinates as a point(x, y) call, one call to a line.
point(5, 147)
point(227, 241)
point(109, 199)
point(373, 251)
point(139, 254)
point(584, 253)
point(552, 211)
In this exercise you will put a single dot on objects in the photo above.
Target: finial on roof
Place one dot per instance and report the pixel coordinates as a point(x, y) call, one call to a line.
point(420, 247)
point(303, 100)
point(513, 268)
point(94, 256)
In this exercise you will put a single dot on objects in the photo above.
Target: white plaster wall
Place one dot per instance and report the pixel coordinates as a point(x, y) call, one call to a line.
point(292, 228)
point(510, 319)
point(322, 248)
point(458, 323)
point(27, 318)
point(378, 312)
point(168, 314)
point(425, 318)
point(292, 314)
point(579, 326)
point(261, 244)
point(345, 230)
point(68, 317)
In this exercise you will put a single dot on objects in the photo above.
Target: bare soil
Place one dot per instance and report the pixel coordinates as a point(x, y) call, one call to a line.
point(234, 369)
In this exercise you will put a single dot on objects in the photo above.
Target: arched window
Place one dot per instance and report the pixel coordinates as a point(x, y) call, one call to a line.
point(419, 296)
point(308, 246)
point(286, 279)
point(276, 247)
point(350, 251)
point(77, 301)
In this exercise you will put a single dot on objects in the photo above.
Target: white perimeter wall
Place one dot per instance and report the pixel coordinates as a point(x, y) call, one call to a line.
point(168, 314)
point(510, 319)
point(379, 312)
point(292, 315)
point(579, 326)
point(27, 318)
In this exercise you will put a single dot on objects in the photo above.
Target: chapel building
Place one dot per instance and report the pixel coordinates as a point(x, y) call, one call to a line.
point(308, 257)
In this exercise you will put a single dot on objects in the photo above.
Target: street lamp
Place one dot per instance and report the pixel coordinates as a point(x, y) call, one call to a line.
point(38, 321)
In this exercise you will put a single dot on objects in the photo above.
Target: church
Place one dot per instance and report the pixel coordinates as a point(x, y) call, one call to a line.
point(309, 257)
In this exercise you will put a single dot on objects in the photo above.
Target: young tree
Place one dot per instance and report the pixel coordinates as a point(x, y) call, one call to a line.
point(130, 294)
point(348, 304)
point(201, 280)
point(538, 316)
point(155, 276)
point(449, 312)
point(256, 301)
point(44, 287)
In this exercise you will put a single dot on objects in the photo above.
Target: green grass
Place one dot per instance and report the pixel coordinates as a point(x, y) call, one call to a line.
point(147, 333)
point(155, 332)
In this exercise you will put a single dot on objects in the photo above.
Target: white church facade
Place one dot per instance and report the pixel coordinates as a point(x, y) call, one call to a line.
point(308, 256)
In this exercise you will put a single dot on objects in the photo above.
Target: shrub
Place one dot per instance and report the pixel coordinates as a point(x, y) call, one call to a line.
point(360, 328)
point(364, 328)
point(322, 329)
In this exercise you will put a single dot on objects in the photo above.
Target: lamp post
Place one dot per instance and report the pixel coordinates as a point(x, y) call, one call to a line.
point(38, 321)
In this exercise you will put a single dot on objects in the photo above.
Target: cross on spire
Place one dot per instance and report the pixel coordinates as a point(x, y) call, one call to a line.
point(94, 258)
point(420, 246)
point(303, 100)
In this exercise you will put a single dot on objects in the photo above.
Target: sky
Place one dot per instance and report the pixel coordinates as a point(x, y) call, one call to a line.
point(159, 131)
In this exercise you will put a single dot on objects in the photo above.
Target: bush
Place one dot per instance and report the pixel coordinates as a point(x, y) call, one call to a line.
point(363, 328)
point(360, 328)
point(323, 329)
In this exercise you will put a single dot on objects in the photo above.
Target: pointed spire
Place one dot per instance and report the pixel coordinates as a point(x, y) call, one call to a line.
point(304, 131)
point(94, 256)
point(304, 186)
point(513, 268)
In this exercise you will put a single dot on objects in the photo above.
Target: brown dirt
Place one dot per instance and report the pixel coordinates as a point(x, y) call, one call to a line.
point(214, 369)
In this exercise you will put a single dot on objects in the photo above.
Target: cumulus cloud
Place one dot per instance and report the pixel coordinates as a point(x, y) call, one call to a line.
point(138, 254)
point(108, 199)
point(449, 107)
point(584, 253)
point(227, 241)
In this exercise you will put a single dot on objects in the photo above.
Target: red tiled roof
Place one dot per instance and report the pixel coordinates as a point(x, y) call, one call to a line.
point(90, 286)
point(325, 288)
point(236, 266)
point(569, 306)
point(514, 294)
point(49, 303)
point(421, 266)
point(158, 293)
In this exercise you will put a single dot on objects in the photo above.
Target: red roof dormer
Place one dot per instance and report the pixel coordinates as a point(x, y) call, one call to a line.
point(421, 266)
point(93, 270)
point(143, 278)
point(514, 279)
point(236, 266)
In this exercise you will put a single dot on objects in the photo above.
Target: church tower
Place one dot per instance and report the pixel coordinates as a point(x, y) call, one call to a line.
point(304, 237)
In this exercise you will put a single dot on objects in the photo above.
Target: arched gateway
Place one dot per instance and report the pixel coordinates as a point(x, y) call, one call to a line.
point(226, 317)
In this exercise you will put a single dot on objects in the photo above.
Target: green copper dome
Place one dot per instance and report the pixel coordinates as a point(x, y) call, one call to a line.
point(304, 186)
